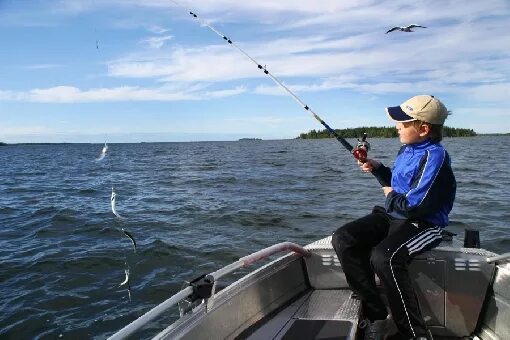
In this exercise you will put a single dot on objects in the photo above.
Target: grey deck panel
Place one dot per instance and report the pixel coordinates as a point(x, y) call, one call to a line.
point(333, 305)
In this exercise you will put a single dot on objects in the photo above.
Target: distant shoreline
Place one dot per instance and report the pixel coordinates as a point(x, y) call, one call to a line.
point(241, 139)
point(494, 134)
point(41, 143)
point(379, 132)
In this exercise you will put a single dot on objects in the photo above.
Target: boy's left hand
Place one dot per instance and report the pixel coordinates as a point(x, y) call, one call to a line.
point(387, 190)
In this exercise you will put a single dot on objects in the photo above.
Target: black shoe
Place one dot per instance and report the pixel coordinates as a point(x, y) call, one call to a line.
point(397, 336)
point(425, 337)
point(376, 330)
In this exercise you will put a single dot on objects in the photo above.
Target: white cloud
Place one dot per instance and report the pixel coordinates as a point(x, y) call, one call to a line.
point(324, 85)
point(498, 92)
point(313, 48)
point(212, 6)
point(213, 63)
point(431, 55)
point(328, 12)
point(156, 42)
point(495, 92)
point(70, 94)
point(157, 29)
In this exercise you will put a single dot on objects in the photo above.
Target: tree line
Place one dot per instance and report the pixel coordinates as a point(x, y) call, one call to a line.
point(382, 132)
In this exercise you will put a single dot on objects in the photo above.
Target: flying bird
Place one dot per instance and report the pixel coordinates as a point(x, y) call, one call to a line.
point(404, 28)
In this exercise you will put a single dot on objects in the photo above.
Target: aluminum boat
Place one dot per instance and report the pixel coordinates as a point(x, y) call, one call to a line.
point(464, 293)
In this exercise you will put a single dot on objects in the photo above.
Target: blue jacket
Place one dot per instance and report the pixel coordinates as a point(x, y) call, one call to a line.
point(423, 183)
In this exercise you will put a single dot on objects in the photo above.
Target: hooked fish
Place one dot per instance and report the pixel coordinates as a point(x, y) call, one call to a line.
point(103, 153)
point(126, 280)
point(113, 204)
point(130, 237)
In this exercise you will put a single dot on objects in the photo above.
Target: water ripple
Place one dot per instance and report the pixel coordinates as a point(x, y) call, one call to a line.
point(193, 208)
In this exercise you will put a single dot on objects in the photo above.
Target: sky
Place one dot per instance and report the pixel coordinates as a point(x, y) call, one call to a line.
point(145, 70)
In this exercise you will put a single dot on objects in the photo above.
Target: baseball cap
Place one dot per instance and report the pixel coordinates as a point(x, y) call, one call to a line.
point(423, 107)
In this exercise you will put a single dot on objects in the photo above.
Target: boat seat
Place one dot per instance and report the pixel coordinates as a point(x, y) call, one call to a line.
point(450, 282)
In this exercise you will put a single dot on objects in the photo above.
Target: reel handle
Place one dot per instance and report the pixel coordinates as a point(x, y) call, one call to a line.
point(360, 152)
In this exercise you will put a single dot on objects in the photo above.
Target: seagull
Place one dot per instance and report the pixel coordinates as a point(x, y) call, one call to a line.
point(405, 29)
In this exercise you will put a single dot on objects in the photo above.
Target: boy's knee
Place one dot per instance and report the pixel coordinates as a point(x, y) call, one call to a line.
point(341, 239)
point(380, 259)
point(336, 240)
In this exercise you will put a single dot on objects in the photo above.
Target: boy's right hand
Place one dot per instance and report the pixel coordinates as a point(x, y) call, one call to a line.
point(369, 165)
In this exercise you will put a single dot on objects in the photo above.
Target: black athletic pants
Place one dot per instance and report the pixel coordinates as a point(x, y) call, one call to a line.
point(384, 245)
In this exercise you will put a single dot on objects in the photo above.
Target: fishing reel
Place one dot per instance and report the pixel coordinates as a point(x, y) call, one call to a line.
point(360, 152)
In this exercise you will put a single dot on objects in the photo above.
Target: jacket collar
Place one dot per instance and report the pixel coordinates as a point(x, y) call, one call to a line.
point(419, 146)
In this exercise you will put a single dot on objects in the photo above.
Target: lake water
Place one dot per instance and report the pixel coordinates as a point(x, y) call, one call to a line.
point(193, 208)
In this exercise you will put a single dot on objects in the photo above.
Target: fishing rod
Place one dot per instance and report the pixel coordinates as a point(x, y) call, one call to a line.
point(359, 152)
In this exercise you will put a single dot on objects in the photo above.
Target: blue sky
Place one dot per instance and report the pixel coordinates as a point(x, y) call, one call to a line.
point(156, 74)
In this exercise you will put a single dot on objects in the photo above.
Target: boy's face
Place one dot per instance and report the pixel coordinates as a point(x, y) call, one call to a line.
point(410, 134)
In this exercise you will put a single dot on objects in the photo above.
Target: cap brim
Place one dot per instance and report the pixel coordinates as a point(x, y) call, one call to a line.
point(397, 114)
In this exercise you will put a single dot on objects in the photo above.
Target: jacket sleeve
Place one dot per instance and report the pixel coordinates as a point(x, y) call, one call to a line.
point(383, 175)
point(426, 195)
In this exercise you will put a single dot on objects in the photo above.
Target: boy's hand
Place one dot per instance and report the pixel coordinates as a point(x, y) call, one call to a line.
point(369, 165)
point(387, 190)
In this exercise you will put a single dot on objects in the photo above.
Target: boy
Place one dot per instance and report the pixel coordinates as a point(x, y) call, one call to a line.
point(420, 190)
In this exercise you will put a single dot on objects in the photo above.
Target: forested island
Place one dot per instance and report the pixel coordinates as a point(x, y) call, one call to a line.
point(382, 132)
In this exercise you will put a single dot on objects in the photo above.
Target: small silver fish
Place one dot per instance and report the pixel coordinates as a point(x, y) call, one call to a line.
point(128, 234)
point(126, 280)
point(113, 204)
point(103, 153)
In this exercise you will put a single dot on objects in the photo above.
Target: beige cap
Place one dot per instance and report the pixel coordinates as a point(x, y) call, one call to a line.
point(423, 107)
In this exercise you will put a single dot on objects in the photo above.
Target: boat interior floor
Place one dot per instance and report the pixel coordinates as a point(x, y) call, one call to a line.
point(298, 298)
point(318, 315)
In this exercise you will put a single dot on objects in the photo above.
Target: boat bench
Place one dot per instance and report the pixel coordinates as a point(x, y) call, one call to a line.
point(296, 297)
point(450, 281)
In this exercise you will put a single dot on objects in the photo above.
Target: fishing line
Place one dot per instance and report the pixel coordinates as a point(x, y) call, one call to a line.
point(359, 152)
point(106, 157)
point(124, 234)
